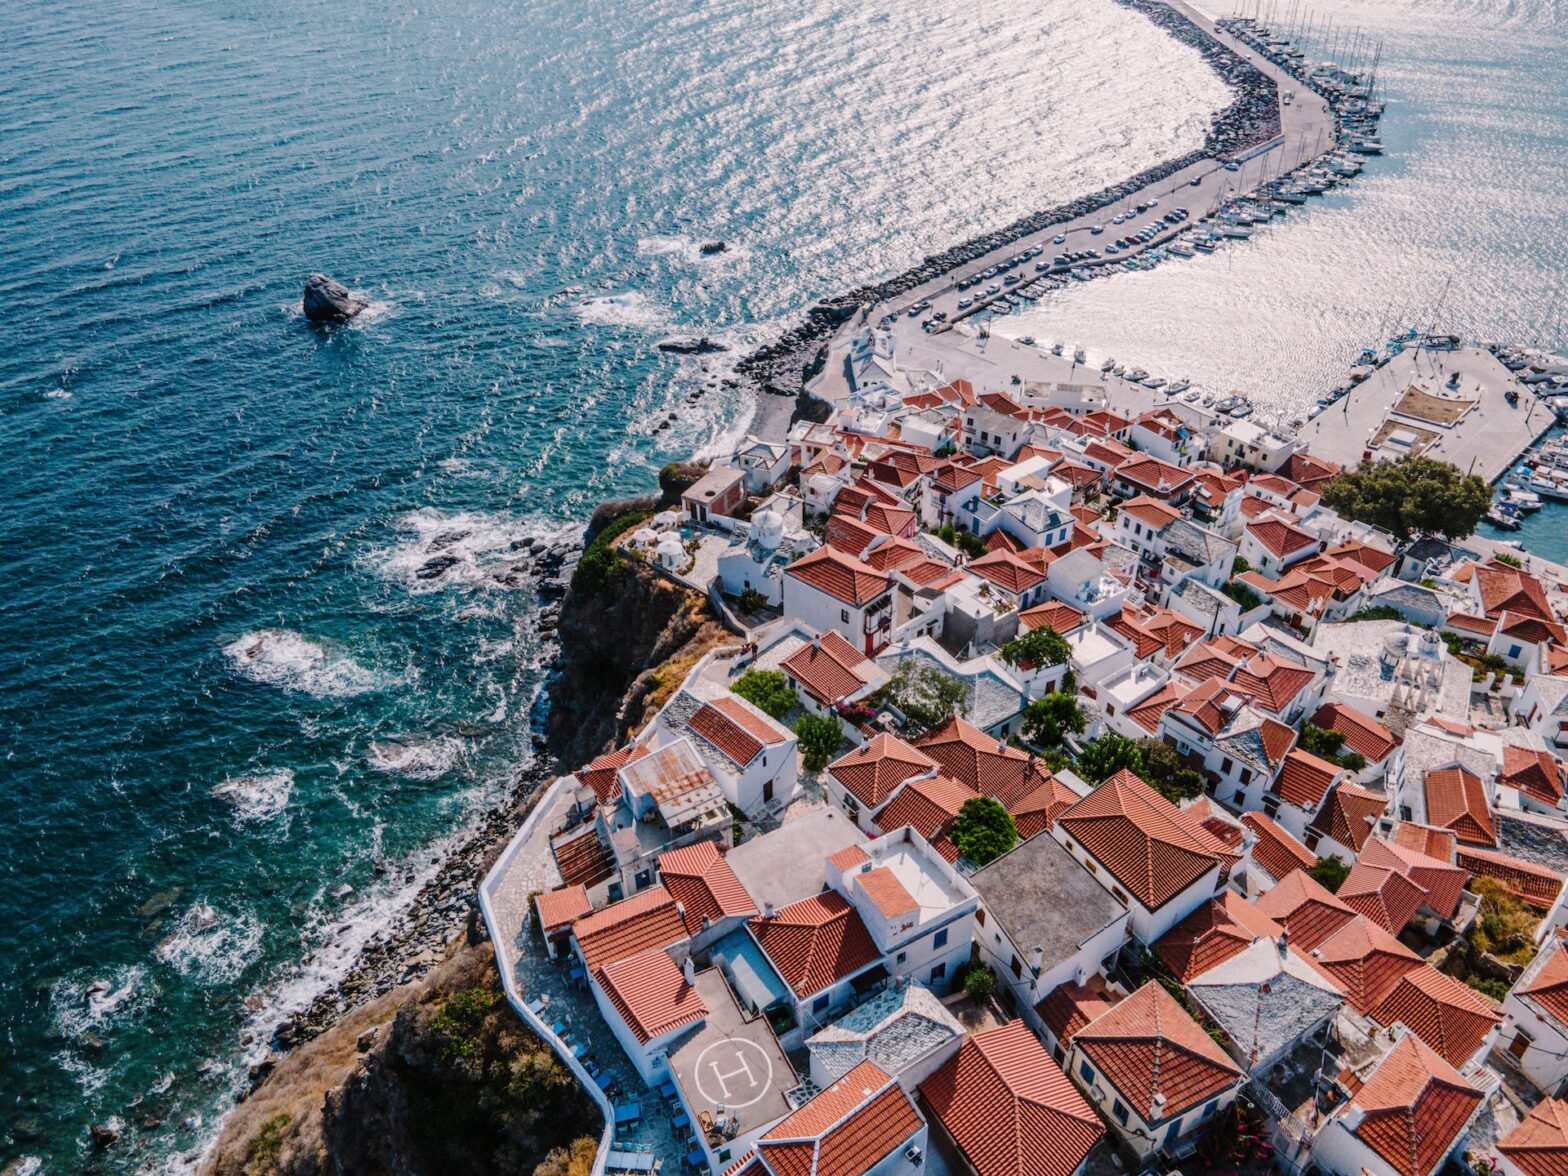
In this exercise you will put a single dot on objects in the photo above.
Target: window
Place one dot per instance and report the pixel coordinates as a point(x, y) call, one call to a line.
point(1120, 1112)
point(980, 915)
point(1086, 1072)
point(1226, 766)
point(820, 1003)
point(843, 615)
point(901, 957)
point(1313, 838)
point(1117, 891)
point(938, 972)
point(1513, 651)
point(1518, 1046)
point(939, 940)
point(1246, 775)
point(1270, 805)
point(1172, 1132)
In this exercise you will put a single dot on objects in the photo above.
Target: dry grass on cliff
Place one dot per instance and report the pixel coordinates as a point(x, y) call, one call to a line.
point(666, 677)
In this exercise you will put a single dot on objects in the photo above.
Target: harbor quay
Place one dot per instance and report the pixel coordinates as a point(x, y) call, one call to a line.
point(1460, 405)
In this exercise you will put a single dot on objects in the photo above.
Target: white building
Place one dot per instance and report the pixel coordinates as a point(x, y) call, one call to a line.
point(830, 590)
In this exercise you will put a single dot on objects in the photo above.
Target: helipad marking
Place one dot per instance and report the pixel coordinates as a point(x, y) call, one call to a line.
point(729, 1071)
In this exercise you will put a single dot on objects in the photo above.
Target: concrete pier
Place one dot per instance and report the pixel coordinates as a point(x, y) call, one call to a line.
point(1449, 404)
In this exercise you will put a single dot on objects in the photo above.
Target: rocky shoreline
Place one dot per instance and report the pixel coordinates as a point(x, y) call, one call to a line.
point(1251, 118)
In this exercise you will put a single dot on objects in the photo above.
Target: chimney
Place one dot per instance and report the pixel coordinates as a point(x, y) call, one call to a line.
point(689, 970)
point(1284, 942)
point(767, 910)
point(680, 909)
point(1037, 960)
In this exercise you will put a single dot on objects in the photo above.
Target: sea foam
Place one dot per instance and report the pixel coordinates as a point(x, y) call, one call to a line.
point(291, 661)
point(259, 796)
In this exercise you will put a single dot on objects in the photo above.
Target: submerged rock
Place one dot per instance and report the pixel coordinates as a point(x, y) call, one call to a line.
point(326, 301)
point(703, 346)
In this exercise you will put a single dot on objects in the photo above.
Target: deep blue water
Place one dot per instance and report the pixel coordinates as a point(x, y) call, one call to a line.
point(224, 695)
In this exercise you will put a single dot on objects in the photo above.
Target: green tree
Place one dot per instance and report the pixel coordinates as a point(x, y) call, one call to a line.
point(1102, 758)
point(818, 738)
point(767, 690)
point(1378, 612)
point(927, 695)
point(1047, 720)
point(1330, 873)
point(984, 830)
point(1041, 646)
point(1164, 771)
point(966, 541)
point(1243, 595)
point(1414, 495)
point(1329, 744)
point(980, 984)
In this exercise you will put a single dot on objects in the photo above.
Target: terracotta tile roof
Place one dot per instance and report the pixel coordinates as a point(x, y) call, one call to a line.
point(1153, 512)
point(1277, 738)
point(1152, 474)
point(950, 478)
point(1539, 1145)
point(1271, 682)
point(1482, 627)
point(1364, 962)
point(1435, 843)
point(849, 534)
point(1078, 475)
point(735, 730)
point(1531, 629)
point(1280, 538)
point(1536, 772)
point(1275, 849)
point(983, 762)
point(1227, 830)
point(840, 576)
point(891, 554)
point(815, 942)
point(1010, 1108)
point(929, 573)
point(873, 773)
point(651, 994)
point(1036, 811)
point(1005, 570)
point(886, 892)
point(1304, 779)
point(701, 880)
point(1447, 1014)
point(845, 1130)
point(1147, 1047)
point(1440, 882)
point(1220, 929)
point(1302, 467)
point(893, 520)
point(1142, 839)
point(1064, 618)
point(1415, 1107)
point(1068, 1007)
point(928, 806)
point(1348, 814)
point(1382, 894)
point(1526, 881)
point(1362, 733)
point(848, 858)
point(629, 927)
point(1309, 912)
point(1456, 800)
point(1147, 713)
point(1506, 589)
point(829, 669)
point(557, 908)
point(1211, 704)
point(601, 774)
point(1548, 988)
point(1107, 450)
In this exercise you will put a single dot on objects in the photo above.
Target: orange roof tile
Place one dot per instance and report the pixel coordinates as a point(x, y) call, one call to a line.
point(1142, 839)
point(1526, 881)
point(1535, 772)
point(1006, 571)
point(1456, 800)
point(1036, 811)
point(844, 1130)
point(1382, 894)
point(983, 762)
point(1156, 1056)
point(1304, 779)
point(1062, 617)
point(651, 994)
point(848, 858)
point(1309, 911)
point(1348, 814)
point(1364, 962)
point(887, 893)
point(873, 773)
point(1271, 682)
point(1010, 1108)
point(1548, 988)
point(734, 729)
point(1363, 734)
point(1539, 1145)
point(815, 942)
point(557, 908)
point(1279, 537)
point(1220, 929)
point(927, 805)
point(1447, 1014)
point(699, 878)
point(829, 668)
point(1415, 1105)
point(1506, 589)
point(1275, 849)
point(601, 773)
point(1441, 882)
point(629, 927)
point(1068, 1007)
point(1435, 843)
point(1147, 713)
point(840, 576)
point(1153, 475)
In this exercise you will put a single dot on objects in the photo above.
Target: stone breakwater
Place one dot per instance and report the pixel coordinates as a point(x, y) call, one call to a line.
point(1251, 118)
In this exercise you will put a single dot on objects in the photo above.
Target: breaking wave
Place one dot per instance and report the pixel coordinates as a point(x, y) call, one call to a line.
point(259, 796)
point(291, 661)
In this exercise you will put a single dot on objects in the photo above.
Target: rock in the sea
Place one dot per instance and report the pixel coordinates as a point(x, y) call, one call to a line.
point(433, 568)
point(703, 346)
point(105, 1135)
point(711, 247)
point(326, 301)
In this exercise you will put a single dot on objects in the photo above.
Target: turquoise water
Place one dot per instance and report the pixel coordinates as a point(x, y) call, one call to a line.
point(226, 695)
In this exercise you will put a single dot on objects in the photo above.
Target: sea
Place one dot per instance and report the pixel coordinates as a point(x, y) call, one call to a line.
point(240, 719)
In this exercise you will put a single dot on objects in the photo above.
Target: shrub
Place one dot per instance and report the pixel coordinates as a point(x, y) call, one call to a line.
point(1042, 646)
point(261, 1153)
point(767, 690)
point(980, 984)
point(1378, 612)
point(751, 601)
point(1329, 744)
point(966, 541)
point(576, 1160)
point(819, 738)
point(1329, 873)
point(1242, 595)
point(1512, 561)
point(926, 694)
point(1048, 720)
point(1109, 754)
point(984, 830)
point(601, 561)
point(1164, 771)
